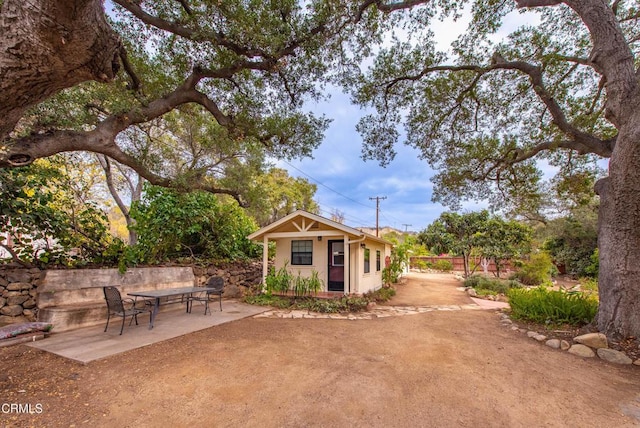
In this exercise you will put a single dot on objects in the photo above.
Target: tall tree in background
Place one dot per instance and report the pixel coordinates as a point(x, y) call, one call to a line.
point(276, 194)
point(502, 241)
point(565, 90)
point(455, 233)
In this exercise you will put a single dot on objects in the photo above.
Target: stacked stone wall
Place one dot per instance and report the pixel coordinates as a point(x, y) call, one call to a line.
point(19, 286)
point(18, 293)
point(239, 276)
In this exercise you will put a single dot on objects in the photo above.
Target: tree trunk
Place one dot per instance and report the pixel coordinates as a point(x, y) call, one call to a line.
point(465, 261)
point(619, 236)
point(49, 45)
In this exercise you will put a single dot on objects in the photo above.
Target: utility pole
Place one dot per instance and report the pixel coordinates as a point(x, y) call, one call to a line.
point(378, 199)
point(406, 226)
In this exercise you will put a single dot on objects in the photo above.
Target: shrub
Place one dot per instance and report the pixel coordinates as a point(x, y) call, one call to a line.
point(537, 271)
point(594, 266)
point(496, 286)
point(552, 307)
point(421, 265)
point(443, 265)
point(198, 224)
point(282, 281)
point(342, 304)
point(278, 281)
point(589, 286)
point(381, 295)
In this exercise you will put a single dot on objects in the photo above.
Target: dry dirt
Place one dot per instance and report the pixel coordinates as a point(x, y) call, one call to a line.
point(441, 368)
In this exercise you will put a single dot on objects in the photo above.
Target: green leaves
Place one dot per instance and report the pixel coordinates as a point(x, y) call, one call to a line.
point(45, 221)
point(552, 307)
point(501, 99)
point(194, 225)
point(276, 194)
point(477, 233)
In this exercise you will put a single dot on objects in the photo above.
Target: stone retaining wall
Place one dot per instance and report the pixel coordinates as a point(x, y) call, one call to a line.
point(18, 294)
point(20, 298)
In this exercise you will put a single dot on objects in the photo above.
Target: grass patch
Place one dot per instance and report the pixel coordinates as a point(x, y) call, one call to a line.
point(544, 306)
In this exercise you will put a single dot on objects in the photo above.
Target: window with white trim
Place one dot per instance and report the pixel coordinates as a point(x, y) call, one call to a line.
point(367, 260)
point(302, 252)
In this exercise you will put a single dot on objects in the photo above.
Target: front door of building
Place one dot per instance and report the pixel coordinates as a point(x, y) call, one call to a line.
point(336, 265)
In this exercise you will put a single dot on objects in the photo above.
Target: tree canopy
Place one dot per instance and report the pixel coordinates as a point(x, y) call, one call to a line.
point(43, 219)
point(487, 115)
point(249, 65)
point(484, 114)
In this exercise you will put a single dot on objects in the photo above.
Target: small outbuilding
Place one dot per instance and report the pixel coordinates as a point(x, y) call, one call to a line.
point(347, 260)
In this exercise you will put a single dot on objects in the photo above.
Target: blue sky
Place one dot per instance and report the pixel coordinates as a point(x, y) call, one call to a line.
point(346, 182)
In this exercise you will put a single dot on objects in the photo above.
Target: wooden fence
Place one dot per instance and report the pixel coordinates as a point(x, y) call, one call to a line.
point(458, 263)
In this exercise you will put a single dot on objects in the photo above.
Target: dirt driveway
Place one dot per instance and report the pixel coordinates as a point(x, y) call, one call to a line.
point(441, 368)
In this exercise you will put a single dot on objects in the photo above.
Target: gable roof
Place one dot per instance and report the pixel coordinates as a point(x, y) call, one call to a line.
point(330, 224)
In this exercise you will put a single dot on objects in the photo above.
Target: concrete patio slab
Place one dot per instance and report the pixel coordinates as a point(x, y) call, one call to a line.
point(92, 343)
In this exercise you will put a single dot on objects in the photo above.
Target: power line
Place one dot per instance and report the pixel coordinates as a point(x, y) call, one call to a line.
point(324, 185)
point(350, 218)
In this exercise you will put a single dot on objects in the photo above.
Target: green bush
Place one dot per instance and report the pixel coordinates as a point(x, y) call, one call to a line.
point(278, 281)
point(494, 285)
point(421, 264)
point(537, 271)
point(589, 286)
point(336, 305)
point(172, 225)
point(380, 295)
point(282, 281)
point(341, 304)
point(443, 265)
point(593, 268)
point(552, 307)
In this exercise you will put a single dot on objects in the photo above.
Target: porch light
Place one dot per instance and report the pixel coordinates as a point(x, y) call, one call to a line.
point(319, 238)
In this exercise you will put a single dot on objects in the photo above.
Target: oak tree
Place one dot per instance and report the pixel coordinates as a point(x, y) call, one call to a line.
point(563, 89)
point(74, 77)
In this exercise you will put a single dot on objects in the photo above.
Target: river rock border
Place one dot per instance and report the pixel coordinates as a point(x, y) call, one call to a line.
point(587, 345)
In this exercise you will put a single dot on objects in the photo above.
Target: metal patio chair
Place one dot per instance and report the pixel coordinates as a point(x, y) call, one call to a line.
point(117, 306)
point(215, 282)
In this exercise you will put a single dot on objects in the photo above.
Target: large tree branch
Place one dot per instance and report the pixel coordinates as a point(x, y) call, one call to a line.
point(23, 151)
point(388, 7)
point(582, 141)
point(611, 54)
point(218, 38)
point(105, 163)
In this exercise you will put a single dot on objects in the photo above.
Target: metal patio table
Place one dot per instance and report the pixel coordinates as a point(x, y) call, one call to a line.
point(167, 292)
